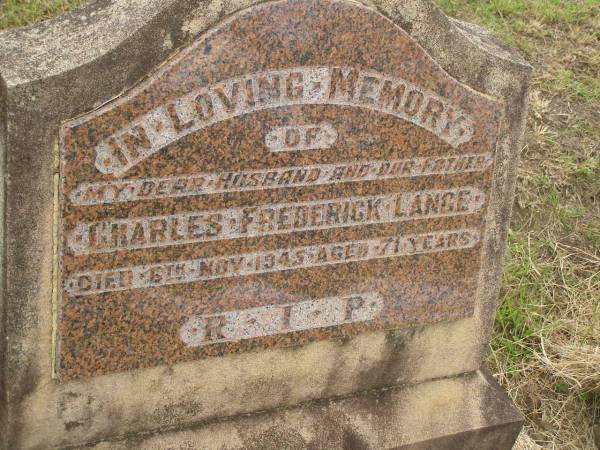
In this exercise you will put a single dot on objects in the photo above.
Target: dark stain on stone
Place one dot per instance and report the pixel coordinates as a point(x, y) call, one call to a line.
point(393, 366)
point(353, 441)
point(406, 26)
point(19, 393)
point(70, 426)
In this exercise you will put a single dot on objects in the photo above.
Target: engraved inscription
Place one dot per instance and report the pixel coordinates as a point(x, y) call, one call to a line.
point(300, 137)
point(145, 276)
point(264, 220)
point(252, 180)
point(289, 176)
point(166, 124)
point(275, 319)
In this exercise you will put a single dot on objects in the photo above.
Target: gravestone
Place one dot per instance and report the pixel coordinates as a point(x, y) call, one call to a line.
point(255, 225)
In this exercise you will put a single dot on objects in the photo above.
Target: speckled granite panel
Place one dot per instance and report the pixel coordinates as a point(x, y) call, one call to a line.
point(303, 171)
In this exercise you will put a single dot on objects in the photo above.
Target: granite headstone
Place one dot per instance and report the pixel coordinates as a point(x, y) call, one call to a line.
point(294, 210)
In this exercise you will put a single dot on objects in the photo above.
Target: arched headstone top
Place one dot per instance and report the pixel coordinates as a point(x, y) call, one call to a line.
point(88, 35)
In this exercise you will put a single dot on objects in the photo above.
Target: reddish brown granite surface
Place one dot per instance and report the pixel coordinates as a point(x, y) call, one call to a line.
point(142, 314)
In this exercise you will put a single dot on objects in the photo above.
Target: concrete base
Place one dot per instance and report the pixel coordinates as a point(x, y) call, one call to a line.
point(467, 412)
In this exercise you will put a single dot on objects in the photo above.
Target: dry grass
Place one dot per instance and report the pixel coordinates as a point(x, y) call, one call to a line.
point(546, 351)
point(549, 358)
point(547, 346)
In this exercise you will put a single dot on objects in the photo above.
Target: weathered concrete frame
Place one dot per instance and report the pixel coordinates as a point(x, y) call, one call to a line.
point(62, 68)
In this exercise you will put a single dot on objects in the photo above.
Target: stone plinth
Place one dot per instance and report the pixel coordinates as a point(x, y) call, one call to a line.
point(431, 415)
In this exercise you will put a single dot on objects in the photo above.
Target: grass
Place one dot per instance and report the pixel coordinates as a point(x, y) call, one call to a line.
point(18, 13)
point(546, 348)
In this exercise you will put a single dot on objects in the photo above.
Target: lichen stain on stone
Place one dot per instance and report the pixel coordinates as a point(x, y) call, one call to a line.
point(171, 414)
point(206, 15)
point(277, 437)
point(167, 43)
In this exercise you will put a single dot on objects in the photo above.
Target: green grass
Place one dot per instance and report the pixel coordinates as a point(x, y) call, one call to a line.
point(546, 346)
point(585, 86)
point(18, 13)
point(588, 168)
point(518, 322)
point(514, 14)
point(518, 21)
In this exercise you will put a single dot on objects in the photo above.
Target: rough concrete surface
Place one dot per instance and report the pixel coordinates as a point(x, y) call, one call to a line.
point(429, 415)
point(57, 70)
